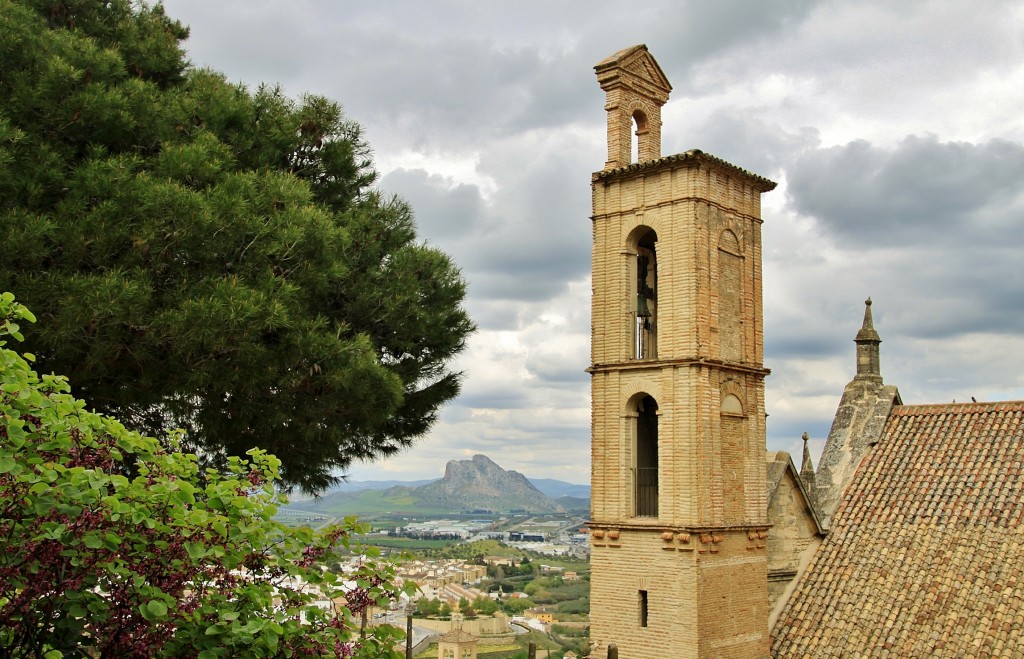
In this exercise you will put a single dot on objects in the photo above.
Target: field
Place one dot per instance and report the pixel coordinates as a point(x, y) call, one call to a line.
point(405, 544)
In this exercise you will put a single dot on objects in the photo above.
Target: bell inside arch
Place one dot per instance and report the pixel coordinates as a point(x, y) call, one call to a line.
point(643, 310)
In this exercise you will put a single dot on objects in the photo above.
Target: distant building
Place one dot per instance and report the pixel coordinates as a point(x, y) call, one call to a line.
point(434, 576)
point(542, 615)
point(457, 644)
point(454, 593)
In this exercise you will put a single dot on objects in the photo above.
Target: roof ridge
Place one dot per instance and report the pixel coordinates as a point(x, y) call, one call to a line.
point(953, 408)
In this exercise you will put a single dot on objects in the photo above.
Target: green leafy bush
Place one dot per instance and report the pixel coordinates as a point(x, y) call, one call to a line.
point(113, 545)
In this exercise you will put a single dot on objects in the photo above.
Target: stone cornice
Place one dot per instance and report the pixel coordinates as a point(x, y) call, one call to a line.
point(657, 364)
point(693, 156)
point(697, 199)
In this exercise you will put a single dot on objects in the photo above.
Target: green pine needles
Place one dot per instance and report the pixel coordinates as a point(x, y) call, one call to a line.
point(209, 257)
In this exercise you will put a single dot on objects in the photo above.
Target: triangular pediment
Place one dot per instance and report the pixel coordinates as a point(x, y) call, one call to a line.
point(633, 65)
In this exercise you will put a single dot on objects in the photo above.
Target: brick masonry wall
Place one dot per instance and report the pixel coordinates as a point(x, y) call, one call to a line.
point(664, 199)
point(692, 447)
point(706, 593)
point(709, 599)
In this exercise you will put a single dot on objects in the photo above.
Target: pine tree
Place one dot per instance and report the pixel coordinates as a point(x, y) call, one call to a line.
point(211, 257)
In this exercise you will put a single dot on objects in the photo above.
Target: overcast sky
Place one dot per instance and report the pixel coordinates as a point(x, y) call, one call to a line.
point(895, 131)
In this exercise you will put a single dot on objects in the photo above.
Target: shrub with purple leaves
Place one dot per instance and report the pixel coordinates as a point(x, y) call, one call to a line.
point(113, 544)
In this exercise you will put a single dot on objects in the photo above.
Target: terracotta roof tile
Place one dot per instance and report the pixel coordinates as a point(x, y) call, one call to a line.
point(926, 553)
point(457, 635)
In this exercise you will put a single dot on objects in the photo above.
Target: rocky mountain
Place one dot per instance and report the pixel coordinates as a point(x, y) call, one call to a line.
point(468, 485)
point(483, 485)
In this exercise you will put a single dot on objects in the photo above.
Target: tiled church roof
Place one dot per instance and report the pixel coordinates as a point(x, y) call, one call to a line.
point(926, 553)
point(457, 635)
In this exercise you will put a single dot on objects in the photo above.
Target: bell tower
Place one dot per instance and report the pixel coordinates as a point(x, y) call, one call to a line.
point(678, 510)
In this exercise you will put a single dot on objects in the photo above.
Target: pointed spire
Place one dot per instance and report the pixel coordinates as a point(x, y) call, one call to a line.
point(867, 331)
point(807, 467)
point(868, 359)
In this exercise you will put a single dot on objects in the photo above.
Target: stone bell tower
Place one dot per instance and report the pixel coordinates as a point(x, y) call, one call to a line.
point(678, 513)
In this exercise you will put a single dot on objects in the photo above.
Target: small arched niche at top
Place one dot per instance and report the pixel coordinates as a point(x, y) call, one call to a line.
point(635, 87)
point(642, 131)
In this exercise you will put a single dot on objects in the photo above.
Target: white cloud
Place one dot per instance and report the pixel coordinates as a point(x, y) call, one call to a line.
point(893, 128)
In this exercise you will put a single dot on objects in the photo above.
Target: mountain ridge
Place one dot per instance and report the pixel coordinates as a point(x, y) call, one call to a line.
point(480, 484)
point(477, 484)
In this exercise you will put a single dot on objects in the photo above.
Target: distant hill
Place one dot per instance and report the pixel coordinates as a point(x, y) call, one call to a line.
point(556, 488)
point(356, 486)
point(575, 504)
point(476, 484)
point(359, 486)
point(550, 486)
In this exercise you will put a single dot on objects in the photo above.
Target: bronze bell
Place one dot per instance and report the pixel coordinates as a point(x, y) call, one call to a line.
point(642, 310)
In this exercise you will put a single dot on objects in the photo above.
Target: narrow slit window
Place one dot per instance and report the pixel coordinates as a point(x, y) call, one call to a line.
point(643, 608)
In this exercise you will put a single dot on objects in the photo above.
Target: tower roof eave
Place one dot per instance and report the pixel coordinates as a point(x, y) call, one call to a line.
point(695, 156)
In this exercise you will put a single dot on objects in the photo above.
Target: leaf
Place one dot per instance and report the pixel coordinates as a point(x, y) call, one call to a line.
point(55, 533)
point(92, 541)
point(196, 551)
point(156, 608)
point(112, 541)
point(271, 636)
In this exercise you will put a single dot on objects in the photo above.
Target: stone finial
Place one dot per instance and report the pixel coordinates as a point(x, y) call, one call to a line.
point(867, 331)
point(807, 467)
point(635, 89)
point(806, 464)
point(867, 340)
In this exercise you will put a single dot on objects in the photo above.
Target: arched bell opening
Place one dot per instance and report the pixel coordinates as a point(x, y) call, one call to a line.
point(644, 316)
point(644, 413)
